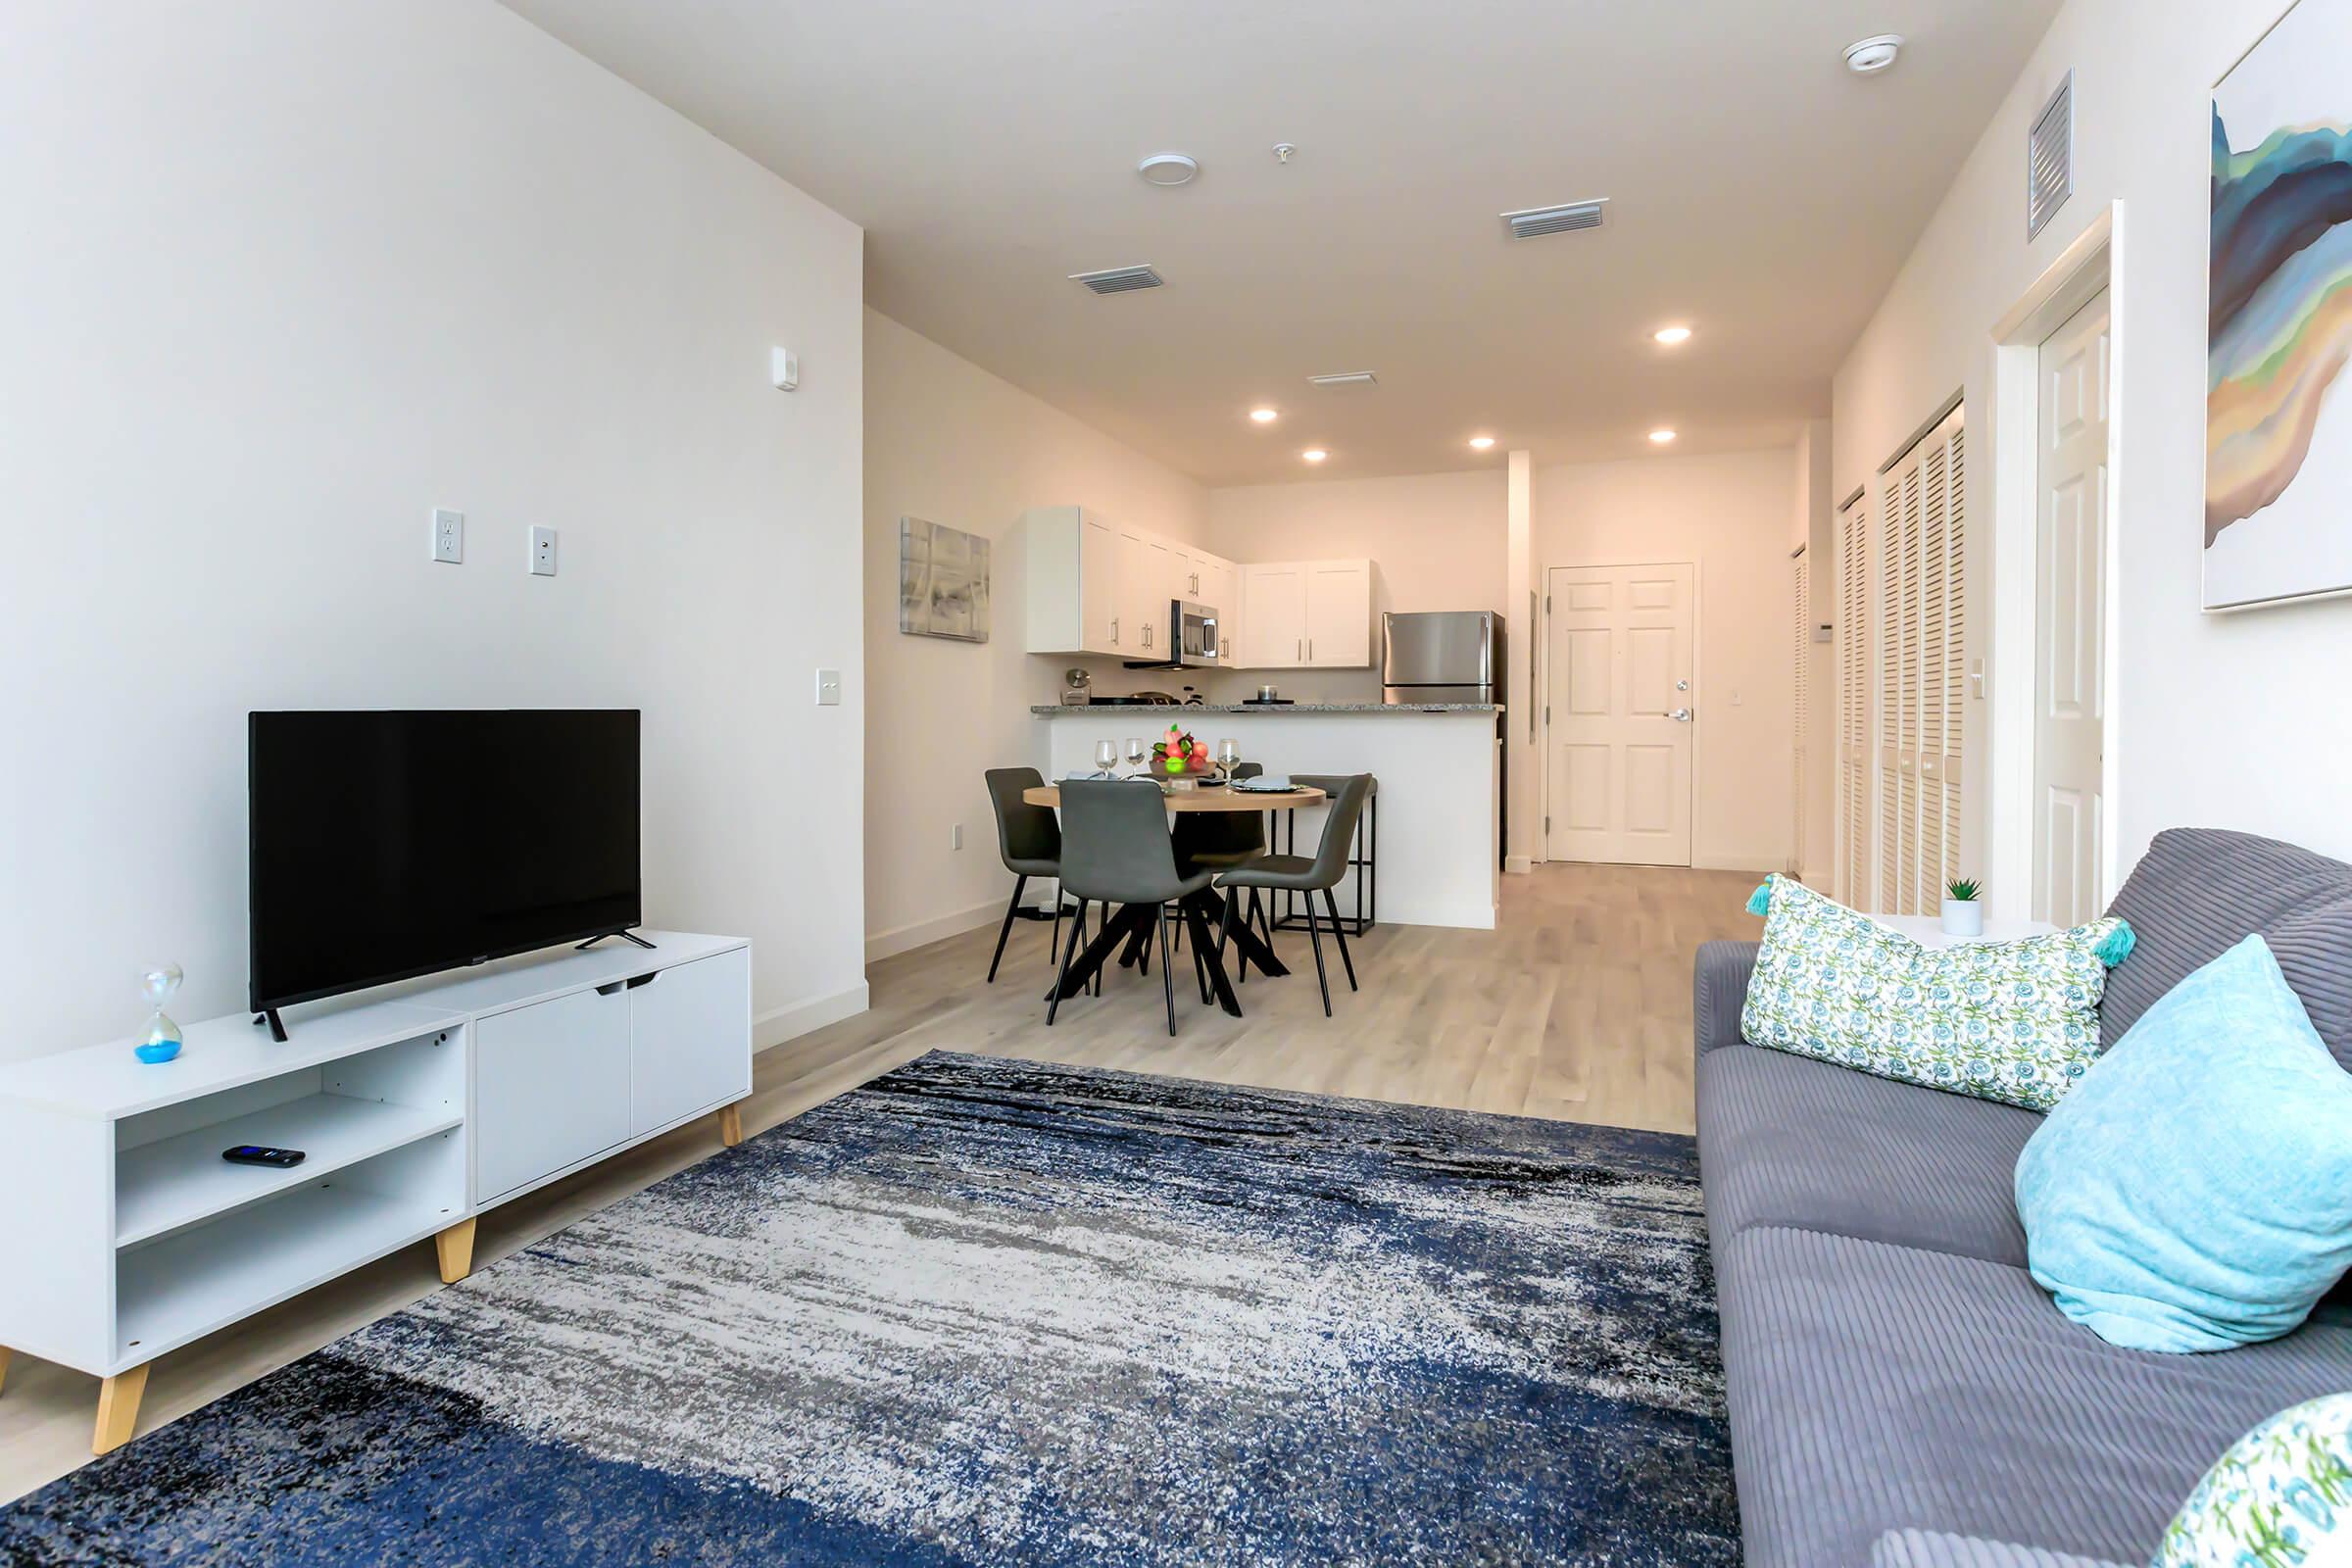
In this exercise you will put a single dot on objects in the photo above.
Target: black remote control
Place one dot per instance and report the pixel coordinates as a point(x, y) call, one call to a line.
point(256, 1155)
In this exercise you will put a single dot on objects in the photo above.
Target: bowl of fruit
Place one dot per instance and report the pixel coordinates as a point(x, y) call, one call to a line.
point(1177, 755)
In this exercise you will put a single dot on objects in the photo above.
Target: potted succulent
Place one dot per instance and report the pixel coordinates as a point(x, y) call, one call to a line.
point(1963, 913)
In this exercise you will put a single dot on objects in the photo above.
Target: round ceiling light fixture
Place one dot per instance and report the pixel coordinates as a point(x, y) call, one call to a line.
point(1479, 443)
point(1672, 336)
point(1168, 169)
point(1263, 416)
point(1869, 56)
point(1314, 454)
point(1661, 437)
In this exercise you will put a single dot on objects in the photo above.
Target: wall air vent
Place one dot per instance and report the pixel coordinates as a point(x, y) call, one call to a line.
point(2050, 157)
point(1345, 378)
point(1536, 221)
point(1119, 279)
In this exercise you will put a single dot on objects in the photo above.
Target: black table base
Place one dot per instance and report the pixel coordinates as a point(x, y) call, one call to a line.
point(1130, 933)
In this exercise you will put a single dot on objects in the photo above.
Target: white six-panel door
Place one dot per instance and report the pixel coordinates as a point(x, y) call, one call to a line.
point(2069, 726)
point(1921, 674)
point(1621, 670)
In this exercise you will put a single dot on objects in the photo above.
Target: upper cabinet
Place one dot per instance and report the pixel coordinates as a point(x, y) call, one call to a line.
point(1306, 615)
point(1103, 587)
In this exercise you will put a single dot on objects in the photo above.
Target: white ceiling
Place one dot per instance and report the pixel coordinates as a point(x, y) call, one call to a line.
point(1757, 191)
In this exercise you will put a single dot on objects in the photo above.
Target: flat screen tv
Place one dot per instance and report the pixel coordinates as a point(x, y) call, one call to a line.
point(390, 845)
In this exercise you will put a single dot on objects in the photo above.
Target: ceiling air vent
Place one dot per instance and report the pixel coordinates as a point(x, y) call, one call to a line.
point(2050, 157)
point(1119, 279)
point(1536, 221)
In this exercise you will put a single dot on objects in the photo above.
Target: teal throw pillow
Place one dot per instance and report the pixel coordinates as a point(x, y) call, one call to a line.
point(2281, 1497)
point(2195, 1191)
point(2012, 1021)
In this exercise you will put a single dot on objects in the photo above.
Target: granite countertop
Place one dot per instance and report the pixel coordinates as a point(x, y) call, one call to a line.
point(1060, 710)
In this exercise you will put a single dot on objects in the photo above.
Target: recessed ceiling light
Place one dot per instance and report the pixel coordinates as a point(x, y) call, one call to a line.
point(1314, 454)
point(1869, 56)
point(1661, 437)
point(1479, 443)
point(1168, 169)
point(1263, 416)
point(1671, 335)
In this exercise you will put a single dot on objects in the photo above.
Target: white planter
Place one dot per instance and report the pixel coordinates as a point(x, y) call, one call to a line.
point(1963, 917)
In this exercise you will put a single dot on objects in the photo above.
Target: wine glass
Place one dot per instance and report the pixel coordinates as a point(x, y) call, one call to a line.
point(1229, 751)
point(1107, 757)
point(1139, 752)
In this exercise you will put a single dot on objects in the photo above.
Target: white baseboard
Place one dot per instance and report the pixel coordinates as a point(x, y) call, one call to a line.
point(1518, 865)
point(922, 933)
point(1759, 866)
point(804, 1017)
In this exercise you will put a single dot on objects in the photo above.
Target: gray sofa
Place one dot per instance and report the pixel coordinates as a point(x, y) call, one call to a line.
point(1902, 1394)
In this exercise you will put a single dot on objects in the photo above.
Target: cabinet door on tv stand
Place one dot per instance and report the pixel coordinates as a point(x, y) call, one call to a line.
point(551, 1088)
point(690, 1039)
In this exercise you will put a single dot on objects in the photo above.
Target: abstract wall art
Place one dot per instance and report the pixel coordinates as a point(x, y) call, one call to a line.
point(2278, 333)
point(943, 581)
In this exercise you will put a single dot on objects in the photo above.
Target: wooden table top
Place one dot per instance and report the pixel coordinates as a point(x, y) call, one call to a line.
point(1227, 799)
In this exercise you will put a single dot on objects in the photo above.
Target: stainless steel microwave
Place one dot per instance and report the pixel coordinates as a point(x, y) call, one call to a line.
point(1194, 641)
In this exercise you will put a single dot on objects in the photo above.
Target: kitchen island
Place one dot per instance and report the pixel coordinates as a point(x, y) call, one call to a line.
point(1438, 766)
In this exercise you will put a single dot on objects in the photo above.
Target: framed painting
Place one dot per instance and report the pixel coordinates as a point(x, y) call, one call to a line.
point(2278, 333)
point(943, 581)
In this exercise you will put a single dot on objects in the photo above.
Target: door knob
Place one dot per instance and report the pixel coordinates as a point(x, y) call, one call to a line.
point(1681, 716)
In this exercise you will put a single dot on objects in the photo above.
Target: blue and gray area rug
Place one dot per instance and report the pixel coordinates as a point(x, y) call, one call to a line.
point(993, 1313)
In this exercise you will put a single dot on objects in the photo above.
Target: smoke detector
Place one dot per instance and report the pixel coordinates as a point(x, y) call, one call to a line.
point(1168, 169)
point(1873, 55)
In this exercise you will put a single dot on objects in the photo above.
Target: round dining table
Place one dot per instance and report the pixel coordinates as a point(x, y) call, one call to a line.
point(1203, 911)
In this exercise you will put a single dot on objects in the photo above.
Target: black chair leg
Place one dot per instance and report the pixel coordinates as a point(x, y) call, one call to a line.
point(1010, 909)
point(1057, 947)
point(1167, 970)
point(1105, 963)
point(1063, 975)
point(1200, 962)
point(1340, 930)
point(1241, 973)
point(1315, 936)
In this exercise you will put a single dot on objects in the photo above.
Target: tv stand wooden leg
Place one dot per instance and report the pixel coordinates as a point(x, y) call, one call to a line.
point(731, 1124)
point(454, 1246)
point(118, 1409)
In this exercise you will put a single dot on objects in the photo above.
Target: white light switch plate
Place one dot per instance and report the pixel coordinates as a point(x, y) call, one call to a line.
point(828, 688)
point(543, 552)
point(449, 535)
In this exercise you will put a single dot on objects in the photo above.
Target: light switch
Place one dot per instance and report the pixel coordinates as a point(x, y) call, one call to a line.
point(828, 688)
point(784, 369)
point(543, 552)
point(449, 535)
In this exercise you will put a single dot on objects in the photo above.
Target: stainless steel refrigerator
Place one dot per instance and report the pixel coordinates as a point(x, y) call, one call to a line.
point(1452, 655)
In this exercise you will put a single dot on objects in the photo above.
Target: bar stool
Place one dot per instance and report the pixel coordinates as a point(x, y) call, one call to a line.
point(1360, 856)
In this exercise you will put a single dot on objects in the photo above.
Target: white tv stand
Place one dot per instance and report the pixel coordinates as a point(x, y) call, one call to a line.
point(130, 1235)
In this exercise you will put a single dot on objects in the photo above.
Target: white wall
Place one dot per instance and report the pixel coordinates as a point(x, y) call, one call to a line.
point(948, 442)
point(1813, 524)
point(2232, 720)
point(283, 277)
point(1436, 541)
point(1730, 516)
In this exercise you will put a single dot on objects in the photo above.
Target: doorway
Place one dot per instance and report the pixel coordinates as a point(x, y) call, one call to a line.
point(2069, 591)
point(1620, 670)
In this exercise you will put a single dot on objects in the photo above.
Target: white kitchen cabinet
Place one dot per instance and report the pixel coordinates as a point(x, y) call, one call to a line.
point(1076, 605)
point(1221, 591)
point(1306, 615)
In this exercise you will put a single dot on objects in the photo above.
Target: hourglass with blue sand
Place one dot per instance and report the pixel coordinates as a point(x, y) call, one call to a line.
point(160, 1041)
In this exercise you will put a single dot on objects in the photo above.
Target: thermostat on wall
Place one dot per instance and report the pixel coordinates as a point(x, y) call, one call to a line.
point(784, 370)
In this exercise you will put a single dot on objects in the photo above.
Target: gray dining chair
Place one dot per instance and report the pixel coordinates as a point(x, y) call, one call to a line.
point(1029, 842)
point(1115, 848)
point(1219, 840)
point(1297, 873)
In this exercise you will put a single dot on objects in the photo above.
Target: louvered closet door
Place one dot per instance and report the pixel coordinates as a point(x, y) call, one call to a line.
point(1922, 626)
point(1799, 651)
point(1853, 705)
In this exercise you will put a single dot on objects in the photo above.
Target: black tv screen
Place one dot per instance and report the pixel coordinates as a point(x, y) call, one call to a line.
point(388, 845)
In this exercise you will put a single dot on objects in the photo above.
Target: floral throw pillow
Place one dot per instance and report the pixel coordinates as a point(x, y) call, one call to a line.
point(2281, 1497)
point(2012, 1021)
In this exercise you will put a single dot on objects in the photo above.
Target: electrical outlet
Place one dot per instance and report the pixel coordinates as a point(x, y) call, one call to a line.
point(955, 836)
point(828, 688)
point(449, 535)
point(543, 552)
